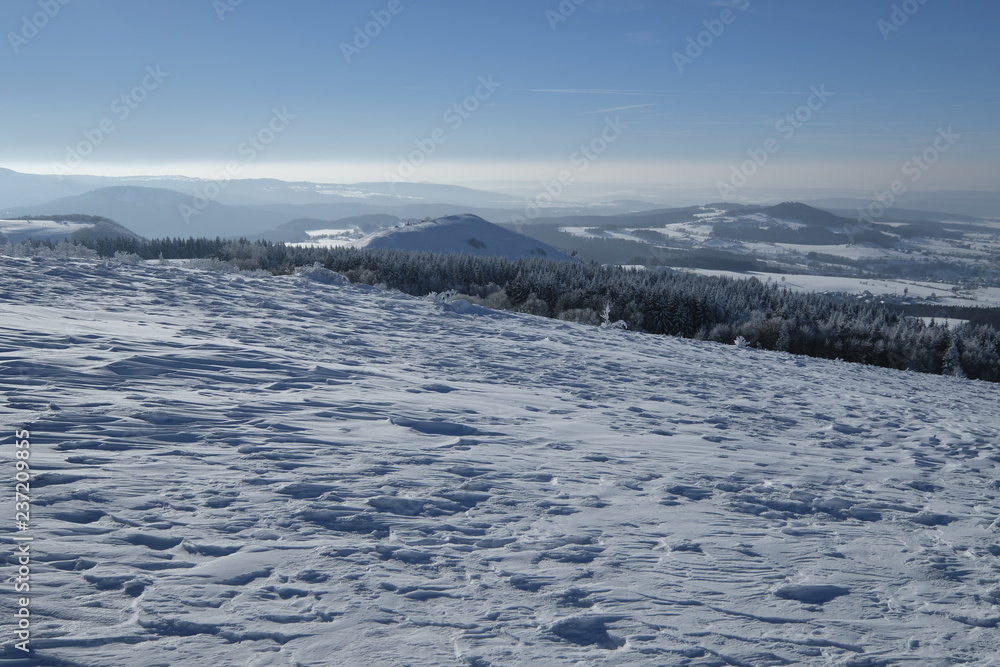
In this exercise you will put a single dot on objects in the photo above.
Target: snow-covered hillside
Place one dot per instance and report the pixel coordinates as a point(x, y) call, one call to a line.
point(17, 231)
point(253, 470)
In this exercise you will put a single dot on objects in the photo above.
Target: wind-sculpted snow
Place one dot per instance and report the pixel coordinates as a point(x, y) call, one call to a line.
point(252, 470)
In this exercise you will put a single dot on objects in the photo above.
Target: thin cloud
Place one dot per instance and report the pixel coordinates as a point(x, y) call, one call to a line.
point(632, 106)
point(595, 91)
point(659, 93)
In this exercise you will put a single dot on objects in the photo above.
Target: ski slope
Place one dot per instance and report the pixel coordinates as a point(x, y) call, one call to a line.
point(237, 469)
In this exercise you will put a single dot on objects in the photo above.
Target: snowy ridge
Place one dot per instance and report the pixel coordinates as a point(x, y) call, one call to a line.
point(250, 470)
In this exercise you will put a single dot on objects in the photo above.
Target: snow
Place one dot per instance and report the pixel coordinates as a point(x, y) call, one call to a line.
point(252, 470)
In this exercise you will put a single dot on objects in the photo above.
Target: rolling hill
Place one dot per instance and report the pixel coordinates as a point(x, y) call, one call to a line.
point(462, 234)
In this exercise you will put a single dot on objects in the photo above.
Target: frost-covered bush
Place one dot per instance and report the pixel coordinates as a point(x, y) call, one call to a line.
point(534, 306)
point(318, 274)
point(127, 258)
point(212, 264)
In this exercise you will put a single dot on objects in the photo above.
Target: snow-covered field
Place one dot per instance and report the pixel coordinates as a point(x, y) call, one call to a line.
point(249, 470)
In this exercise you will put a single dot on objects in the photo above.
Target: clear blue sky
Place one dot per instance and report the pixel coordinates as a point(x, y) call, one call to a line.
point(560, 82)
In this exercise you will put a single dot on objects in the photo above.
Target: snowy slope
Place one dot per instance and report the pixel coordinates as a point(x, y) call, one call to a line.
point(15, 231)
point(462, 234)
point(255, 470)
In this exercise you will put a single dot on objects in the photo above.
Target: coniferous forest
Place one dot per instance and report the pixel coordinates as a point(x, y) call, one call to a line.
point(723, 310)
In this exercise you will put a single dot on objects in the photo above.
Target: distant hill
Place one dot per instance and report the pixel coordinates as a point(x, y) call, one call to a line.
point(57, 228)
point(17, 189)
point(807, 215)
point(297, 231)
point(462, 234)
point(947, 204)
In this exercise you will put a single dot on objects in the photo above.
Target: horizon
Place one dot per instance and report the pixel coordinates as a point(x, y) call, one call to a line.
point(574, 196)
point(512, 195)
point(729, 96)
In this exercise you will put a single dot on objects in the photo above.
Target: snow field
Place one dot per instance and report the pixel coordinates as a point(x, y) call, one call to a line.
point(251, 470)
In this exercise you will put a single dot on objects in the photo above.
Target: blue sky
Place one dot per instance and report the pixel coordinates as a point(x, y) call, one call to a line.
point(561, 73)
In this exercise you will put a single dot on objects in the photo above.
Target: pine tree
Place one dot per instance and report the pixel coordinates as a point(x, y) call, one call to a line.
point(784, 338)
point(952, 362)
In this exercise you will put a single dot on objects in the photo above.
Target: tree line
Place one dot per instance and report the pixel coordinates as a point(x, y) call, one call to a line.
point(660, 301)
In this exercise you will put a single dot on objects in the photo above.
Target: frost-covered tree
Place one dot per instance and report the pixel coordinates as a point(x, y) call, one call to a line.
point(951, 364)
point(784, 339)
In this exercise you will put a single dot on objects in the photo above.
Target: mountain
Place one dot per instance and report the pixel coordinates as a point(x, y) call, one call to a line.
point(462, 234)
point(62, 228)
point(157, 212)
point(377, 479)
point(250, 206)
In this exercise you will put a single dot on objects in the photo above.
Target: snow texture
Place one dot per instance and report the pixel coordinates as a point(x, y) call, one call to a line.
point(253, 470)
